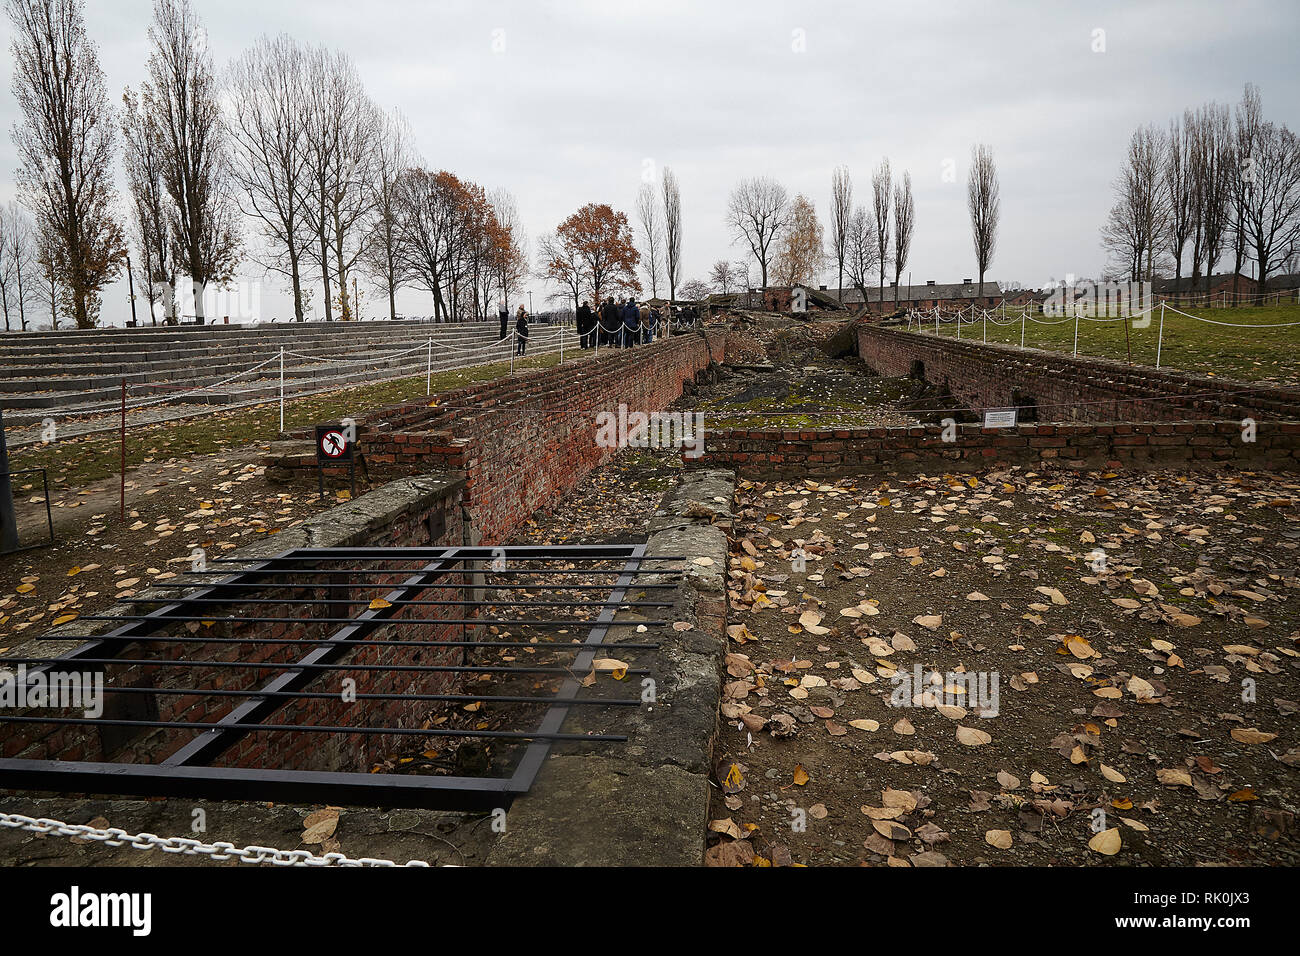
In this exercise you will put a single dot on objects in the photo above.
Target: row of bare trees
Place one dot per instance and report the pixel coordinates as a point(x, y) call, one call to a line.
point(784, 237)
point(867, 241)
point(1219, 182)
point(287, 137)
point(334, 183)
point(659, 229)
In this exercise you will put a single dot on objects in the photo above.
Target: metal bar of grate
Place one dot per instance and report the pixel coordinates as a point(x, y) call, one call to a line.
point(197, 766)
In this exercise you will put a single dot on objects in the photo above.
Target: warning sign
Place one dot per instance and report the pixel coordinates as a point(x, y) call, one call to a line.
point(332, 444)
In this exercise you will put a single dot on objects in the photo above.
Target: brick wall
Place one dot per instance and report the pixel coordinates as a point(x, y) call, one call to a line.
point(1064, 388)
point(399, 514)
point(523, 442)
point(822, 453)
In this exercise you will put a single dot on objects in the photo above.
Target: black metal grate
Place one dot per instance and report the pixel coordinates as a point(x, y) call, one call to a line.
point(355, 598)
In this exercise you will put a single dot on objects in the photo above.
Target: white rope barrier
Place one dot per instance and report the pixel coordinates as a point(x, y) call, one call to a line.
point(1236, 325)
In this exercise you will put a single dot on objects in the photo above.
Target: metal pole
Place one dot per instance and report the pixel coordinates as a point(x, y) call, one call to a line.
point(8, 519)
point(428, 376)
point(986, 327)
point(1160, 336)
point(1076, 331)
point(122, 486)
point(281, 388)
point(130, 280)
point(1022, 329)
point(561, 343)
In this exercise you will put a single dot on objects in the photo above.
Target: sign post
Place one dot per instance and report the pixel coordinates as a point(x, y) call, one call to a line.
point(334, 446)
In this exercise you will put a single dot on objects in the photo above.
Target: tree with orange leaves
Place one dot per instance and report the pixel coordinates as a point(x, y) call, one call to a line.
point(593, 251)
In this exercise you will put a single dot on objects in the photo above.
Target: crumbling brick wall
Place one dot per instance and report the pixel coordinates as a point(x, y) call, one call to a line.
point(1066, 388)
point(817, 453)
point(523, 442)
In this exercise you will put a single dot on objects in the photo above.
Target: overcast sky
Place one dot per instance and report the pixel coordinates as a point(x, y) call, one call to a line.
point(565, 103)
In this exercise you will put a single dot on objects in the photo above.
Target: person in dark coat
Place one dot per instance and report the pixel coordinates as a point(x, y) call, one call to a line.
point(631, 323)
point(584, 326)
point(611, 322)
point(504, 314)
point(521, 332)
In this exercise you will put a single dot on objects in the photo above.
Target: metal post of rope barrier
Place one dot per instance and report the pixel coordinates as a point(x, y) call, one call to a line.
point(986, 327)
point(561, 343)
point(936, 320)
point(1076, 331)
point(1160, 335)
point(428, 375)
point(122, 486)
point(281, 388)
point(1023, 315)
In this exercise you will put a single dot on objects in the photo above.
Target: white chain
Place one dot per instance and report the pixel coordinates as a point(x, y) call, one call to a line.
point(220, 852)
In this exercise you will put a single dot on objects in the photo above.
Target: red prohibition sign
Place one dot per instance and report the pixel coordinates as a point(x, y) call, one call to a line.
point(333, 444)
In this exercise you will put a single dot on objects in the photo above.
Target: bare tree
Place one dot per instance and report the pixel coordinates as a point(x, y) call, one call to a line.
point(267, 92)
point(1249, 115)
point(560, 262)
point(1217, 171)
point(382, 259)
point(695, 290)
point(1177, 187)
point(862, 252)
point(725, 276)
point(757, 212)
point(880, 200)
point(512, 253)
point(904, 225)
point(1272, 213)
point(179, 100)
point(341, 126)
point(65, 144)
point(672, 232)
point(17, 257)
point(150, 219)
point(1139, 213)
point(429, 207)
point(985, 207)
point(651, 232)
point(841, 213)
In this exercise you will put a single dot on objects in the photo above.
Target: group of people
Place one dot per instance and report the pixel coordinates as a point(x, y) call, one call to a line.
point(616, 324)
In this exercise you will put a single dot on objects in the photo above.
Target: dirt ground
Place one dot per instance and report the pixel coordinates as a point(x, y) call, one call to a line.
point(1142, 631)
point(173, 507)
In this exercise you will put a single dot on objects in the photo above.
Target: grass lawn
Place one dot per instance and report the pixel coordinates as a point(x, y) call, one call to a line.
point(76, 461)
point(1260, 354)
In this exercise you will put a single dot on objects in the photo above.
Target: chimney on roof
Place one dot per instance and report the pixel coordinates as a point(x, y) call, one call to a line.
point(929, 282)
point(968, 281)
point(892, 283)
point(822, 287)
